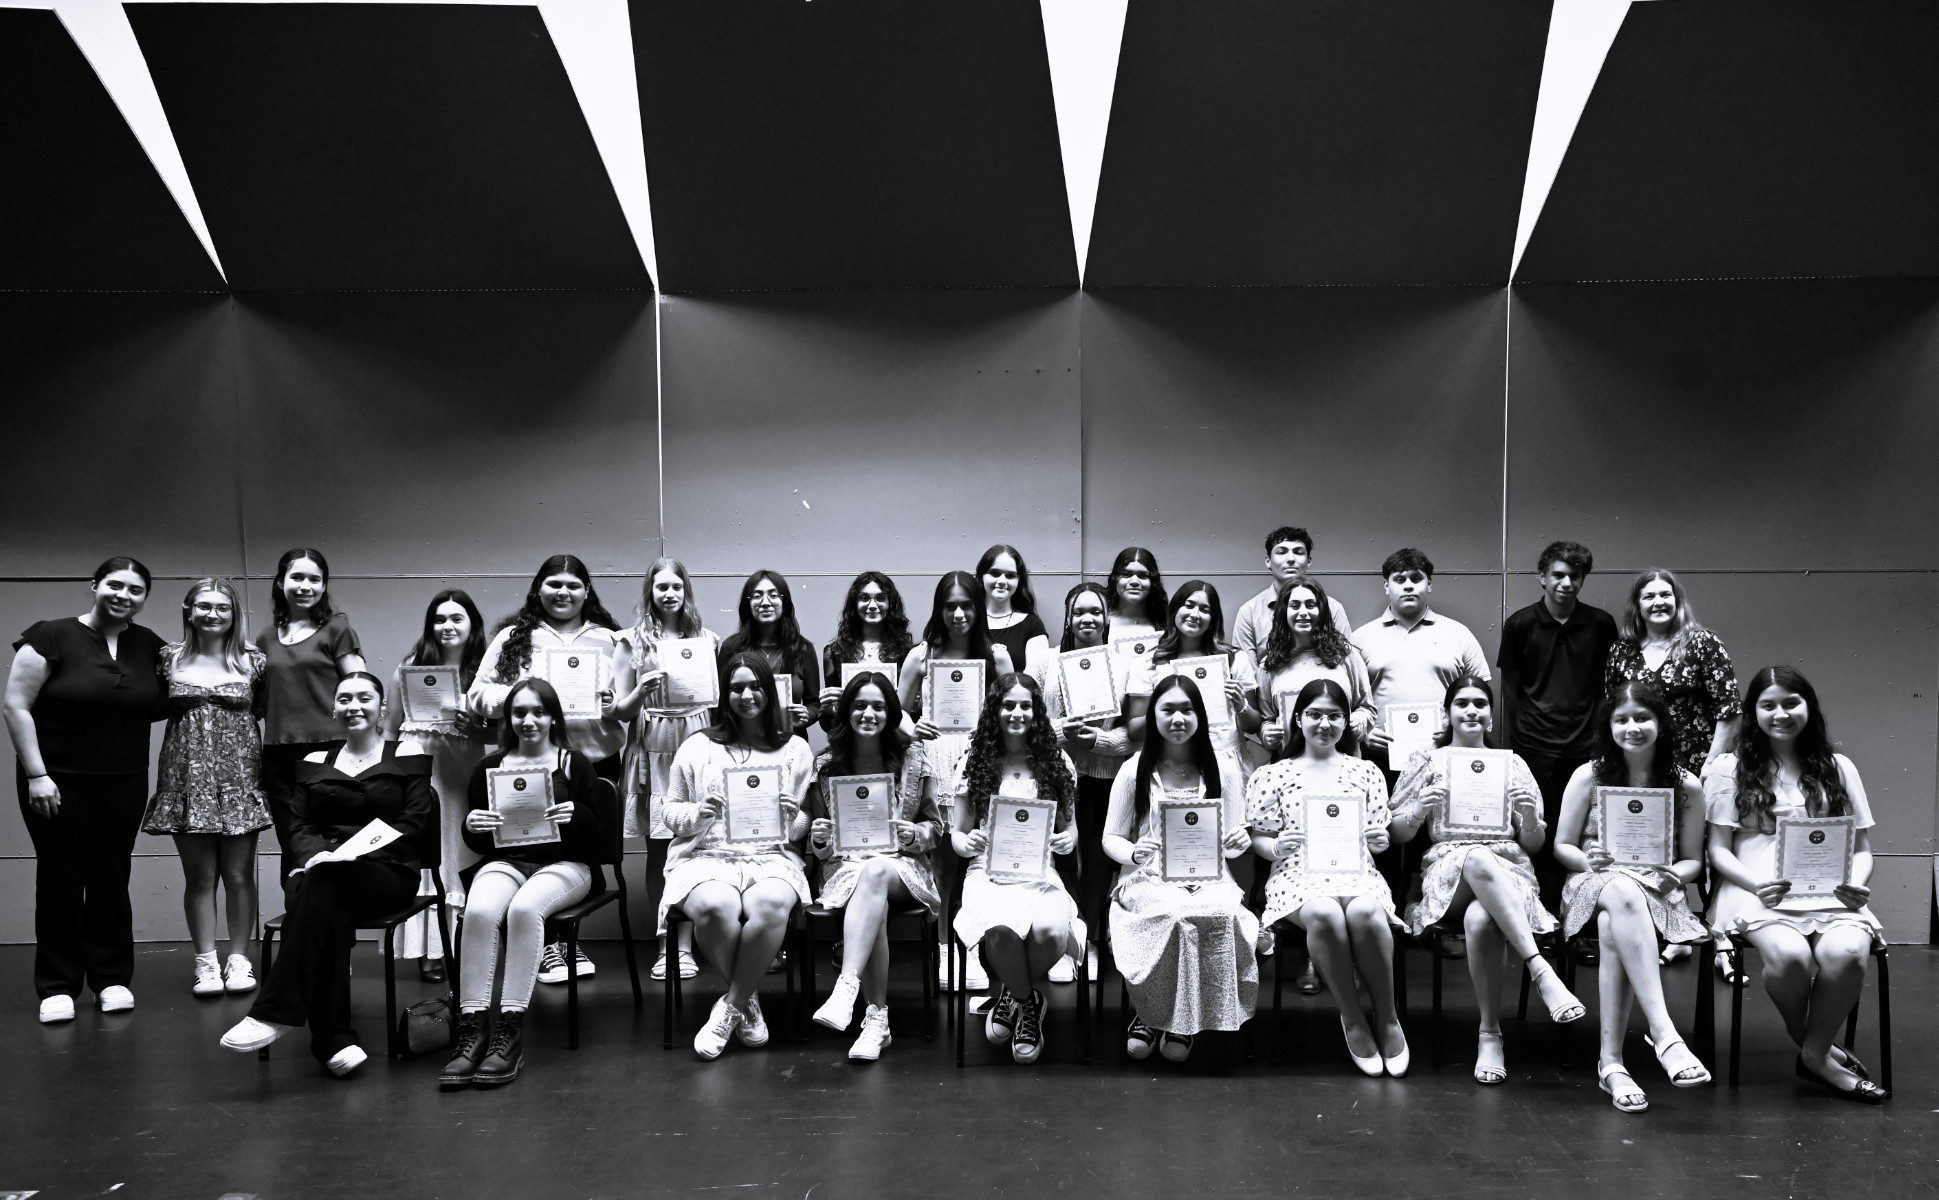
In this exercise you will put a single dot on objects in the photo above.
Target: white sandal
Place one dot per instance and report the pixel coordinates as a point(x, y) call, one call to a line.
point(1565, 1012)
point(1680, 1078)
point(1637, 1100)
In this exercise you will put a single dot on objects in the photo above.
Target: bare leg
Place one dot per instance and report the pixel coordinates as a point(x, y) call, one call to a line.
point(238, 865)
point(767, 905)
point(1495, 890)
point(1632, 933)
point(199, 857)
point(716, 912)
point(1325, 923)
point(1484, 964)
point(867, 912)
point(1373, 954)
point(1612, 987)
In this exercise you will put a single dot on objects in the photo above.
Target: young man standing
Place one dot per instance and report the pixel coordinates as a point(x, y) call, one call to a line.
point(1289, 551)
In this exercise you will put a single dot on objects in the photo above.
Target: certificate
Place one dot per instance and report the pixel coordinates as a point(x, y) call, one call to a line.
point(1192, 841)
point(431, 693)
point(574, 674)
point(752, 809)
point(1814, 854)
point(520, 796)
point(1335, 829)
point(784, 692)
point(1208, 672)
point(892, 670)
point(1478, 793)
point(861, 806)
point(1089, 690)
point(692, 677)
point(1638, 825)
point(1135, 650)
point(1410, 727)
point(953, 693)
point(1020, 829)
point(373, 836)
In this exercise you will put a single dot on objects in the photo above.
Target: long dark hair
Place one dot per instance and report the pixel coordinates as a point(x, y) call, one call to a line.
point(279, 603)
point(841, 740)
point(1823, 787)
point(1154, 602)
point(515, 656)
point(1456, 686)
point(1203, 756)
point(1024, 600)
point(896, 641)
point(1070, 602)
point(983, 771)
point(935, 634)
point(428, 653)
point(548, 700)
point(1612, 770)
point(1169, 638)
point(122, 562)
point(1314, 689)
point(1329, 643)
point(726, 727)
point(788, 641)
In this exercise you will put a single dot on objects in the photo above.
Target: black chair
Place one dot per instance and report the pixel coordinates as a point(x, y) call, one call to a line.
point(1548, 944)
point(566, 920)
point(795, 942)
point(1704, 1010)
point(1288, 934)
point(1740, 945)
point(907, 923)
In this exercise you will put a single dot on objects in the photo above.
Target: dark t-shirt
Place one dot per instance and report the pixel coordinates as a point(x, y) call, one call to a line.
point(800, 663)
point(1017, 636)
point(93, 713)
point(1560, 668)
point(301, 680)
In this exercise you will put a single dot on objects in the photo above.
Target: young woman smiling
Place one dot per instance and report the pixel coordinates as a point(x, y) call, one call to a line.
point(769, 629)
point(872, 628)
point(1010, 609)
point(1097, 749)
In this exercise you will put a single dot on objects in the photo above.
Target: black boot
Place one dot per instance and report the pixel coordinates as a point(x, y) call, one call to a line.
point(507, 1053)
point(463, 1066)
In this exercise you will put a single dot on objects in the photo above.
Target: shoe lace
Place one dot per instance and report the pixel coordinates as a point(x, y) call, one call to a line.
point(1027, 1024)
point(552, 958)
point(504, 1034)
point(471, 1031)
point(725, 1022)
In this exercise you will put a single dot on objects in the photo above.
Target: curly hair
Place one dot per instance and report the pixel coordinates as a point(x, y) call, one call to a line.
point(982, 772)
point(515, 656)
point(1612, 769)
point(1819, 780)
point(896, 639)
point(1328, 642)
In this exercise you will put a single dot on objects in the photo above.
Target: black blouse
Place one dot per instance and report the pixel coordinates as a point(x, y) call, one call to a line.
point(328, 807)
point(579, 839)
point(93, 713)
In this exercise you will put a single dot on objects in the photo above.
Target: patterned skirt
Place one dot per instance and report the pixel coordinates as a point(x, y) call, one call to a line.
point(838, 886)
point(1441, 877)
point(1188, 955)
point(738, 871)
point(1669, 907)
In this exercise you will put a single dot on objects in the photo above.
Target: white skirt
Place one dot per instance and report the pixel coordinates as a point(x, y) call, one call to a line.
point(988, 904)
point(738, 871)
point(838, 887)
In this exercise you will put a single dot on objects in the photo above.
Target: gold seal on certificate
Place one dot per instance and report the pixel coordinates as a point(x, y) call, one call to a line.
point(431, 693)
point(861, 806)
point(1638, 825)
point(1814, 855)
point(1191, 834)
point(892, 670)
point(1019, 830)
point(751, 808)
point(1089, 690)
point(1207, 673)
point(692, 676)
point(1410, 727)
point(520, 796)
point(952, 693)
point(1335, 829)
point(574, 674)
point(1477, 803)
point(1134, 651)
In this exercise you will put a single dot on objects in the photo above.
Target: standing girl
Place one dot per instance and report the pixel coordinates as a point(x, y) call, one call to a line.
point(872, 629)
point(1137, 593)
point(1010, 608)
point(1195, 628)
point(1097, 748)
point(1305, 645)
point(769, 629)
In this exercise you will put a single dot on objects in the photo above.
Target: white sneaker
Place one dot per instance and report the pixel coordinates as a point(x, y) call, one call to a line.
point(552, 964)
point(239, 975)
point(840, 1008)
point(115, 998)
point(754, 1027)
point(56, 1008)
point(1064, 970)
point(250, 1034)
point(208, 977)
point(346, 1060)
point(975, 979)
point(875, 1034)
point(721, 1023)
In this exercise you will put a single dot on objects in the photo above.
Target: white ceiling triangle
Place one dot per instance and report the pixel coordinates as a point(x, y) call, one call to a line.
point(595, 42)
point(1580, 34)
point(1083, 38)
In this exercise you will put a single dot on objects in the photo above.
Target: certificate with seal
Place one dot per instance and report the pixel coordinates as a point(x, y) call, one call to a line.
point(1134, 650)
point(1477, 802)
point(1089, 690)
point(861, 806)
point(1335, 829)
point(1019, 829)
point(574, 674)
point(1814, 854)
point(892, 670)
point(1638, 825)
point(1410, 727)
point(783, 692)
point(751, 811)
point(952, 693)
point(692, 676)
point(1207, 672)
point(520, 796)
point(1191, 838)
point(431, 693)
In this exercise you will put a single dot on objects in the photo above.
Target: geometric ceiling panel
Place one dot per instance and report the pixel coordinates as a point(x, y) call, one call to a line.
point(1317, 142)
point(82, 208)
point(854, 144)
point(1753, 138)
point(380, 146)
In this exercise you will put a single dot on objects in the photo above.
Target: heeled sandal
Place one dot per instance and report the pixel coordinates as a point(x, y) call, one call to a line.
point(1373, 1065)
point(1489, 1073)
point(1569, 1010)
point(1680, 1077)
point(1632, 1100)
point(1727, 967)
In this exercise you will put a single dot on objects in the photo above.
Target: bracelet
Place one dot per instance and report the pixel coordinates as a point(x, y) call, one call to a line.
point(42, 775)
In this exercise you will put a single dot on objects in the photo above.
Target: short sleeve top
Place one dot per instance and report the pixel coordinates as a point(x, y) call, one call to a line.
point(301, 681)
point(1720, 795)
point(93, 712)
point(1017, 636)
point(1273, 793)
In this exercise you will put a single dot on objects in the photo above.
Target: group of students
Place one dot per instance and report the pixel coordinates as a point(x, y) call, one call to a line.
point(1305, 707)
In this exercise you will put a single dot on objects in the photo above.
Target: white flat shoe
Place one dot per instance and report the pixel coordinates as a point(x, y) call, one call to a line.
point(346, 1060)
point(1373, 1066)
point(56, 1008)
point(115, 998)
point(1396, 1066)
point(250, 1034)
point(840, 1007)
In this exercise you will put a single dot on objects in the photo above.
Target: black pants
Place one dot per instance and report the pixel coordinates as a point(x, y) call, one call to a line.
point(1551, 776)
point(1092, 871)
point(279, 790)
point(84, 926)
point(309, 982)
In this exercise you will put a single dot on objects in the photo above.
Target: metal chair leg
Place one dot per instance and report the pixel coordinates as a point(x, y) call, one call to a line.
point(1736, 1007)
point(632, 955)
point(1884, 1017)
point(390, 992)
point(572, 986)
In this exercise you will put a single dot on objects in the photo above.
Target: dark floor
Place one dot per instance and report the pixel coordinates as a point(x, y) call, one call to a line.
point(145, 1104)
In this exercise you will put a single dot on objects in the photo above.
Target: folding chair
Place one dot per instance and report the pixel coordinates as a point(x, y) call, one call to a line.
point(1740, 945)
point(566, 920)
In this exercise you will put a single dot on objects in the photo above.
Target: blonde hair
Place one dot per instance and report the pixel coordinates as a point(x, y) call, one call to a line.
point(235, 643)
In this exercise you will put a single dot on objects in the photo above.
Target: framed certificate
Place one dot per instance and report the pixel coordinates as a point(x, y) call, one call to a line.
point(952, 693)
point(431, 693)
point(1192, 837)
point(1089, 690)
point(892, 670)
point(1411, 727)
point(520, 796)
point(752, 812)
point(692, 675)
point(1638, 825)
point(1335, 829)
point(861, 806)
point(1208, 672)
point(574, 674)
point(1020, 830)
point(1814, 854)
point(1135, 649)
point(1478, 793)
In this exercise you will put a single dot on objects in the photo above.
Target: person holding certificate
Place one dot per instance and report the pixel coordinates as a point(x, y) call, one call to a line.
point(1137, 592)
point(1010, 609)
point(769, 629)
point(1632, 902)
point(1802, 906)
point(872, 629)
point(1015, 805)
point(341, 793)
point(1304, 646)
point(1319, 815)
point(1177, 815)
point(876, 839)
point(734, 805)
point(530, 818)
point(1195, 630)
point(1484, 817)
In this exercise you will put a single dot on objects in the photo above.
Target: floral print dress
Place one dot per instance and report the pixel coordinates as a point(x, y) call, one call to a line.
point(1699, 684)
point(209, 779)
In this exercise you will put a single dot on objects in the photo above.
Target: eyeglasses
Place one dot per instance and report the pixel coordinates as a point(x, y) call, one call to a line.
point(221, 609)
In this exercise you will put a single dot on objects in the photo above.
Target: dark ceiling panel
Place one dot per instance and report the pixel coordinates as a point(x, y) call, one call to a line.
point(1286, 142)
point(82, 208)
point(851, 144)
point(368, 146)
point(1753, 138)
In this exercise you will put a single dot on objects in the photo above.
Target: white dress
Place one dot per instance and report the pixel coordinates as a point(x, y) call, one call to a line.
point(653, 739)
point(1225, 738)
point(841, 874)
point(988, 903)
point(1737, 911)
point(698, 854)
point(455, 748)
point(1273, 806)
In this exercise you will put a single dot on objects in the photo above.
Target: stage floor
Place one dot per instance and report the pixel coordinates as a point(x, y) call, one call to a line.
point(146, 1104)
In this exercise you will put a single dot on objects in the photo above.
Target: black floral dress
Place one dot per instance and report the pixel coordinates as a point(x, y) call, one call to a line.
point(1699, 683)
point(209, 777)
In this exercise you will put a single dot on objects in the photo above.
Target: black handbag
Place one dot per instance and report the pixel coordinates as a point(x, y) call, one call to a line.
point(427, 1025)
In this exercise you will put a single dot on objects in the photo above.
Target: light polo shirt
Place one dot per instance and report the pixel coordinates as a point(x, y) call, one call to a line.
point(1415, 666)
point(1253, 625)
